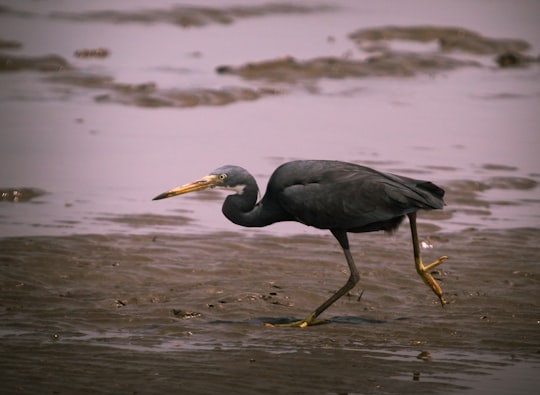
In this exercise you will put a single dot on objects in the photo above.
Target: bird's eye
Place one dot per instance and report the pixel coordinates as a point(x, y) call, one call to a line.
point(223, 177)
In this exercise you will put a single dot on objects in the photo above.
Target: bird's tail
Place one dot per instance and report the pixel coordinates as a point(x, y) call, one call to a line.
point(435, 199)
point(424, 194)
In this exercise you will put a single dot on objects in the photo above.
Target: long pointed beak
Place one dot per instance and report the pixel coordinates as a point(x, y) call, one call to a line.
point(203, 183)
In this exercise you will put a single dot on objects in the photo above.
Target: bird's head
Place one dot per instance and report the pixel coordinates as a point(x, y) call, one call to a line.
point(227, 177)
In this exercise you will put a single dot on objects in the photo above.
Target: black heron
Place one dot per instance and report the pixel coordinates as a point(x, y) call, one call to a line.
point(338, 196)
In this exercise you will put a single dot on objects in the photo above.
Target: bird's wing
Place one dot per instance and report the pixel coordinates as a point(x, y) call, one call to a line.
point(349, 200)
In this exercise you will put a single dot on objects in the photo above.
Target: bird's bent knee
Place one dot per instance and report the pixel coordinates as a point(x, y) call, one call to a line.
point(353, 280)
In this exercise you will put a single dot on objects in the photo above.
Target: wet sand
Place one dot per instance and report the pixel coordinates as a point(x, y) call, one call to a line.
point(162, 313)
point(105, 105)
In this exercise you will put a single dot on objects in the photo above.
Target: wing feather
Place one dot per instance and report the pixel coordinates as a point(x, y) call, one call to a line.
point(335, 195)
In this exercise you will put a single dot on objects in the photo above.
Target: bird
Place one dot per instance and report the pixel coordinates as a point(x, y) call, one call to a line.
point(332, 195)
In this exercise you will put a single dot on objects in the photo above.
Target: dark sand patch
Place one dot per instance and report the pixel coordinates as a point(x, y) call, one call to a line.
point(448, 39)
point(20, 195)
point(189, 16)
point(291, 70)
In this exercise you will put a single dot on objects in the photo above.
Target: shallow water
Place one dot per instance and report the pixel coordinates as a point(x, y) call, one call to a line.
point(103, 290)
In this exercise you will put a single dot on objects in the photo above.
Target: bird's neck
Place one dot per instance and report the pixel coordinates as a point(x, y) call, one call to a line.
point(242, 209)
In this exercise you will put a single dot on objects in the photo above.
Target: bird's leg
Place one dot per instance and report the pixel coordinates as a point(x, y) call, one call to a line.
point(341, 236)
point(422, 270)
point(351, 282)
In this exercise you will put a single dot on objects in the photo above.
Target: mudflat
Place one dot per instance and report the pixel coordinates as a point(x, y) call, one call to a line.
point(163, 313)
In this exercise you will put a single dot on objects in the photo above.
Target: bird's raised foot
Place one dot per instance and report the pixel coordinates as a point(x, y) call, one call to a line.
point(435, 263)
point(423, 271)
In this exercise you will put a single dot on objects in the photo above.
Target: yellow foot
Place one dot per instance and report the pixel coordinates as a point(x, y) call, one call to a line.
point(423, 271)
point(308, 321)
point(436, 263)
